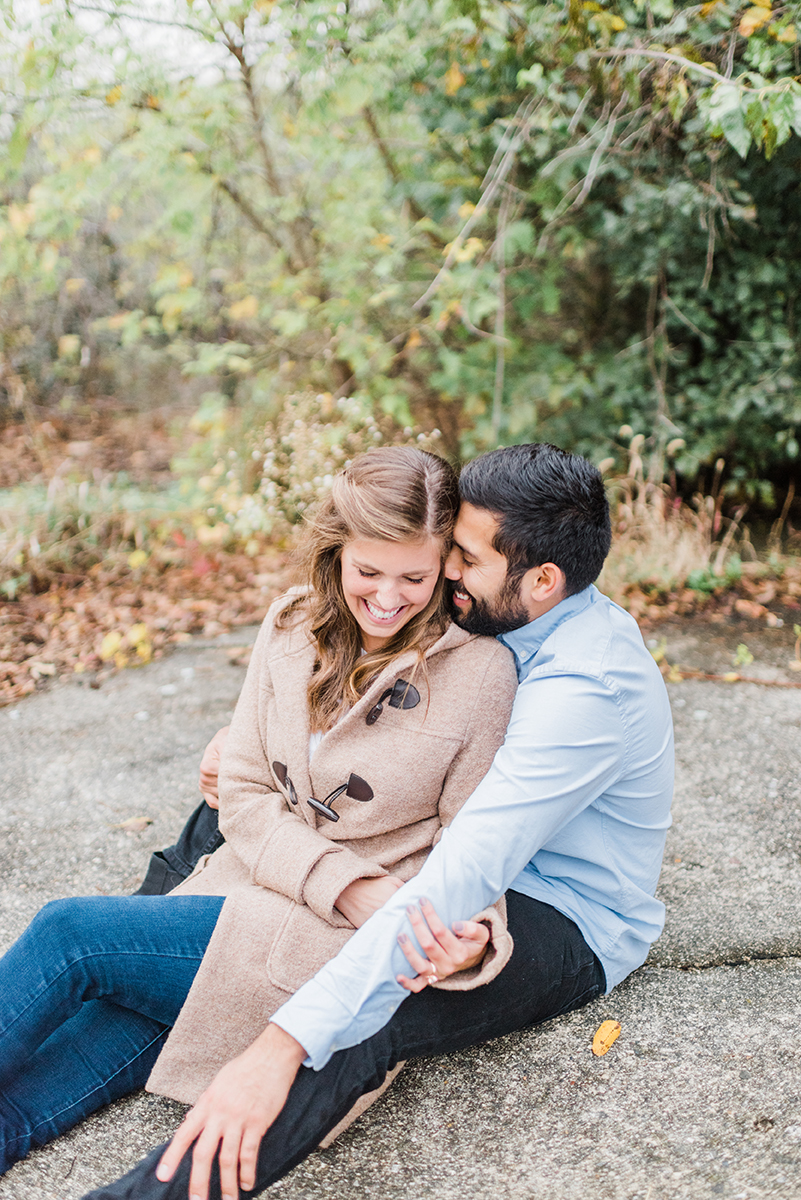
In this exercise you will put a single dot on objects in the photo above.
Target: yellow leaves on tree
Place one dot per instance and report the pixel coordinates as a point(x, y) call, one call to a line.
point(605, 1037)
point(69, 345)
point(244, 310)
point(454, 79)
point(20, 218)
point(466, 252)
point(753, 19)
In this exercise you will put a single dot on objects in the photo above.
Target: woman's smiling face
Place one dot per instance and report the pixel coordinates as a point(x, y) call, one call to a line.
point(385, 584)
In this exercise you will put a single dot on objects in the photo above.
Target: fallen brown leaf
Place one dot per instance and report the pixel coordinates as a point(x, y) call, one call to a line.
point(605, 1037)
point(239, 656)
point(134, 824)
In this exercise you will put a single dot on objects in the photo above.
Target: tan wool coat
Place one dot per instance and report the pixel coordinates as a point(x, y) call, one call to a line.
point(284, 864)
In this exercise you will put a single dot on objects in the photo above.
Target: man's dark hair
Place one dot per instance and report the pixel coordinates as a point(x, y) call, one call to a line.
point(551, 506)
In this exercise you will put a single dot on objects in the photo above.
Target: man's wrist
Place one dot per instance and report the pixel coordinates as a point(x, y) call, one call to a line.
point(281, 1046)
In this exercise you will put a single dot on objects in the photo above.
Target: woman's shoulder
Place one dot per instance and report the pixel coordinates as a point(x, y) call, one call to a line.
point(473, 652)
point(284, 627)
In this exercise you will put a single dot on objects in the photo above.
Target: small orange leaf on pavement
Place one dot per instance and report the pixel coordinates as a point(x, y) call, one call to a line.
point(134, 824)
point(605, 1037)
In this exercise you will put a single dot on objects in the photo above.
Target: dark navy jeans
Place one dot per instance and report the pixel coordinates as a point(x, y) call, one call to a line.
point(551, 971)
point(87, 997)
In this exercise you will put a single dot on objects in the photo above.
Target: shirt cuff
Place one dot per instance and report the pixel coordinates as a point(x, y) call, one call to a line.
point(300, 1017)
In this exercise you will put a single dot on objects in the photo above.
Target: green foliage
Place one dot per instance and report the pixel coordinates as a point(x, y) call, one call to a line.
point(508, 221)
point(288, 464)
point(69, 526)
point(706, 580)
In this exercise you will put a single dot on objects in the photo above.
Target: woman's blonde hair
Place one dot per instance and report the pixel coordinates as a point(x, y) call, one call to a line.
point(390, 494)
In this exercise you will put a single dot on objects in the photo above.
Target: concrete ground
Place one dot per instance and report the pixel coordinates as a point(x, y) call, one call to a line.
point(699, 1097)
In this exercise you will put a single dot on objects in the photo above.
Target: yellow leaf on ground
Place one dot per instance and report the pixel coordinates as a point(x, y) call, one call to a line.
point(38, 669)
point(110, 645)
point(605, 1037)
point(144, 652)
point(114, 95)
point(137, 634)
point(137, 558)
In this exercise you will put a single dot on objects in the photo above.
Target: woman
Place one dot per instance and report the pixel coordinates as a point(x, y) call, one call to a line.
point(365, 721)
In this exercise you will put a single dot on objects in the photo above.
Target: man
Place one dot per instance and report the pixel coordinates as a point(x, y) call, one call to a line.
point(570, 822)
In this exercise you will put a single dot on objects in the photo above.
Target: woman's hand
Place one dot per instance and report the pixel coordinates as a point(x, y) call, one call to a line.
point(447, 952)
point(210, 768)
point(360, 899)
point(234, 1114)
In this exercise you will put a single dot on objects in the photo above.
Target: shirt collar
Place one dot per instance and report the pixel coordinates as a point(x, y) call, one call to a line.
point(526, 641)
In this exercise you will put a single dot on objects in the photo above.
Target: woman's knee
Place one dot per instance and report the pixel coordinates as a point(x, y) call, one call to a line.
point(67, 923)
point(61, 915)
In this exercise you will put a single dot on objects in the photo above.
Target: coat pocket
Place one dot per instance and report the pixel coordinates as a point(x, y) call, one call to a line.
point(303, 945)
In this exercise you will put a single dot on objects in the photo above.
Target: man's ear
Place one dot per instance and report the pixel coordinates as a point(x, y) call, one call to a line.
point(544, 584)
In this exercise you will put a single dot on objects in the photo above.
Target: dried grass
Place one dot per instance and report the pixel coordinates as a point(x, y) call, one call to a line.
point(660, 543)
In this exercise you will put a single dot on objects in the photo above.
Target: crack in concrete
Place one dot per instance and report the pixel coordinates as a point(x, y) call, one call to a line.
point(726, 962)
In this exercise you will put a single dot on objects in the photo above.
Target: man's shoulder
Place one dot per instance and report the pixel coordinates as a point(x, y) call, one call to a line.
point(601, 640)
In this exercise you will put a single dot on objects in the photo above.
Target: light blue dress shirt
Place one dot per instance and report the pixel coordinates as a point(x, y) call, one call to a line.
point(574, 812)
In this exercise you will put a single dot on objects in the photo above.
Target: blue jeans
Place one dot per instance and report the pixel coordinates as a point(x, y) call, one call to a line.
point(552, 970)
point(87, 997)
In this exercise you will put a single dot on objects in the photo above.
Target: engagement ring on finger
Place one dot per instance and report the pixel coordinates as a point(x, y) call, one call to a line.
point(432, 979)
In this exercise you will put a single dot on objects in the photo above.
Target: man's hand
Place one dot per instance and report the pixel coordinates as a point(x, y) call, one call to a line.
point(446, 952)
point(234, 1113)
point(210, 768)
point(363, 897)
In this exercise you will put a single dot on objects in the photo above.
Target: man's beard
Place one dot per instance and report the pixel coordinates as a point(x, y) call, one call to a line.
point(489, 618)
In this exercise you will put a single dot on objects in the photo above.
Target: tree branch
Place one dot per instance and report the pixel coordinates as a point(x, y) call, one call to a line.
point(500, 316)
point(132, 16)
point(500, 167)
point(244, 206)
point(389, 161)
point(297, 250)
point(663, 56)
point(689, 65)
